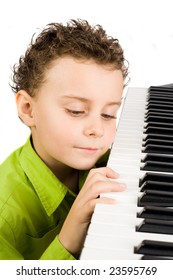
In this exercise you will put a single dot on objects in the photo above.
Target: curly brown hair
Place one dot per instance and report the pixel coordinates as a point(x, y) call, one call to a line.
point(77, 39)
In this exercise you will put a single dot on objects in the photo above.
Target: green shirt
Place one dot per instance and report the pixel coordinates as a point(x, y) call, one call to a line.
point(33, 207)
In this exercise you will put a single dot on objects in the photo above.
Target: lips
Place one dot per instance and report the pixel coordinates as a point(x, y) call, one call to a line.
point(89, 150)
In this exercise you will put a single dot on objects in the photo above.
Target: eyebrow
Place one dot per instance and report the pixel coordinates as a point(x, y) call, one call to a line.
point(83, 99)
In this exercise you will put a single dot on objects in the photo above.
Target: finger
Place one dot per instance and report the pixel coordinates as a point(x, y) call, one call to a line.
point(89, 207)
point(100, 174)
point(105, 200)
point(105, 171)
point(100, 187)
point(97, 183)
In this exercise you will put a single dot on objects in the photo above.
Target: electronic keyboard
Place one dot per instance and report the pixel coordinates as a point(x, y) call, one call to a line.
point(140, 224)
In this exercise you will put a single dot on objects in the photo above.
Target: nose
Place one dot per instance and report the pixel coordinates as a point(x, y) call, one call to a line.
point(94, 128)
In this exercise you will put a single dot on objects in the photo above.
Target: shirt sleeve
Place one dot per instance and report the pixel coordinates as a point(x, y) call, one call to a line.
point(56, 251)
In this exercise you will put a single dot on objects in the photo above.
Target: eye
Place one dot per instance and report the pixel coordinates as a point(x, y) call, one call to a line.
point(75, 113)
point(108, 117)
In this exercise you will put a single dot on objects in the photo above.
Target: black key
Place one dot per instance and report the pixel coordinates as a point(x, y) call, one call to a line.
point(156, 226)
point(158, 149)
point(158, 119)
point(162, 98)
point(160, 112)
point(162, 104)
point(153, 105)
point(157, 166)
point(159, 124)
point(155, 248)
point(156, 177)
point(155, 199)
point(153, 257)
point(158, 130)
point(161, 89)
point(153, 212)
point(158, 137)
point(158, 192)
point(153, 141)
point(157, 188)
point(158, 158)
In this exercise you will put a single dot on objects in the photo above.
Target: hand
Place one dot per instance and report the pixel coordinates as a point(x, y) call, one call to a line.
point(73, 232)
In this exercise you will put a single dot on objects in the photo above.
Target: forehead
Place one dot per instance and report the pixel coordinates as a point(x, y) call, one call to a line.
point(68, 76)
point(73, 66)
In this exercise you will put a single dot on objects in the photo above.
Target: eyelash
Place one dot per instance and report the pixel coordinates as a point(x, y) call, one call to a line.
point(76, 113)
point(108, 117)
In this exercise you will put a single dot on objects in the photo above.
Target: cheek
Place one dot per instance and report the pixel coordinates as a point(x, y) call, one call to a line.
point(111, 135)
point(62, 130)
point(112, 130)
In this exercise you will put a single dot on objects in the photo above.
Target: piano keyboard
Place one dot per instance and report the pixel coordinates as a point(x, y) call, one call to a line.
point(140, 224)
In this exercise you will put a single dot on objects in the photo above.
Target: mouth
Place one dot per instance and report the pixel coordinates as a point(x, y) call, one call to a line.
point(88, 150)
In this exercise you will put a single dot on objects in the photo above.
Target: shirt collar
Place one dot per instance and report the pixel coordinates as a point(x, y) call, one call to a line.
point(49, 189)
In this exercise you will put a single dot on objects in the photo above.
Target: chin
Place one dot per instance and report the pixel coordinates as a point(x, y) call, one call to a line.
point(84, 166)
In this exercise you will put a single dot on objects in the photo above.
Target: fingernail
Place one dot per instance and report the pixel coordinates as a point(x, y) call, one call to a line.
point(123, 186)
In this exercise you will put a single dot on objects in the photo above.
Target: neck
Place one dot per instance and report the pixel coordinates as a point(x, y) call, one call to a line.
point(72, 182)
point(68, 176)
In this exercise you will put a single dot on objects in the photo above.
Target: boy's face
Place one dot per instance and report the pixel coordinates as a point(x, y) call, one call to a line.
point(74, 113)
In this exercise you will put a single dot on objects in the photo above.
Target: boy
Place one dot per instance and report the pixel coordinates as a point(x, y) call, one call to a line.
point(68, 90)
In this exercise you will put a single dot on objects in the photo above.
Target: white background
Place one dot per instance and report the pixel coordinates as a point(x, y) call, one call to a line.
point(143, 27)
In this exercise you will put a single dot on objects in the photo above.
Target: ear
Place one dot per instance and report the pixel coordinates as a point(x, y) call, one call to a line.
point(24, 104)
